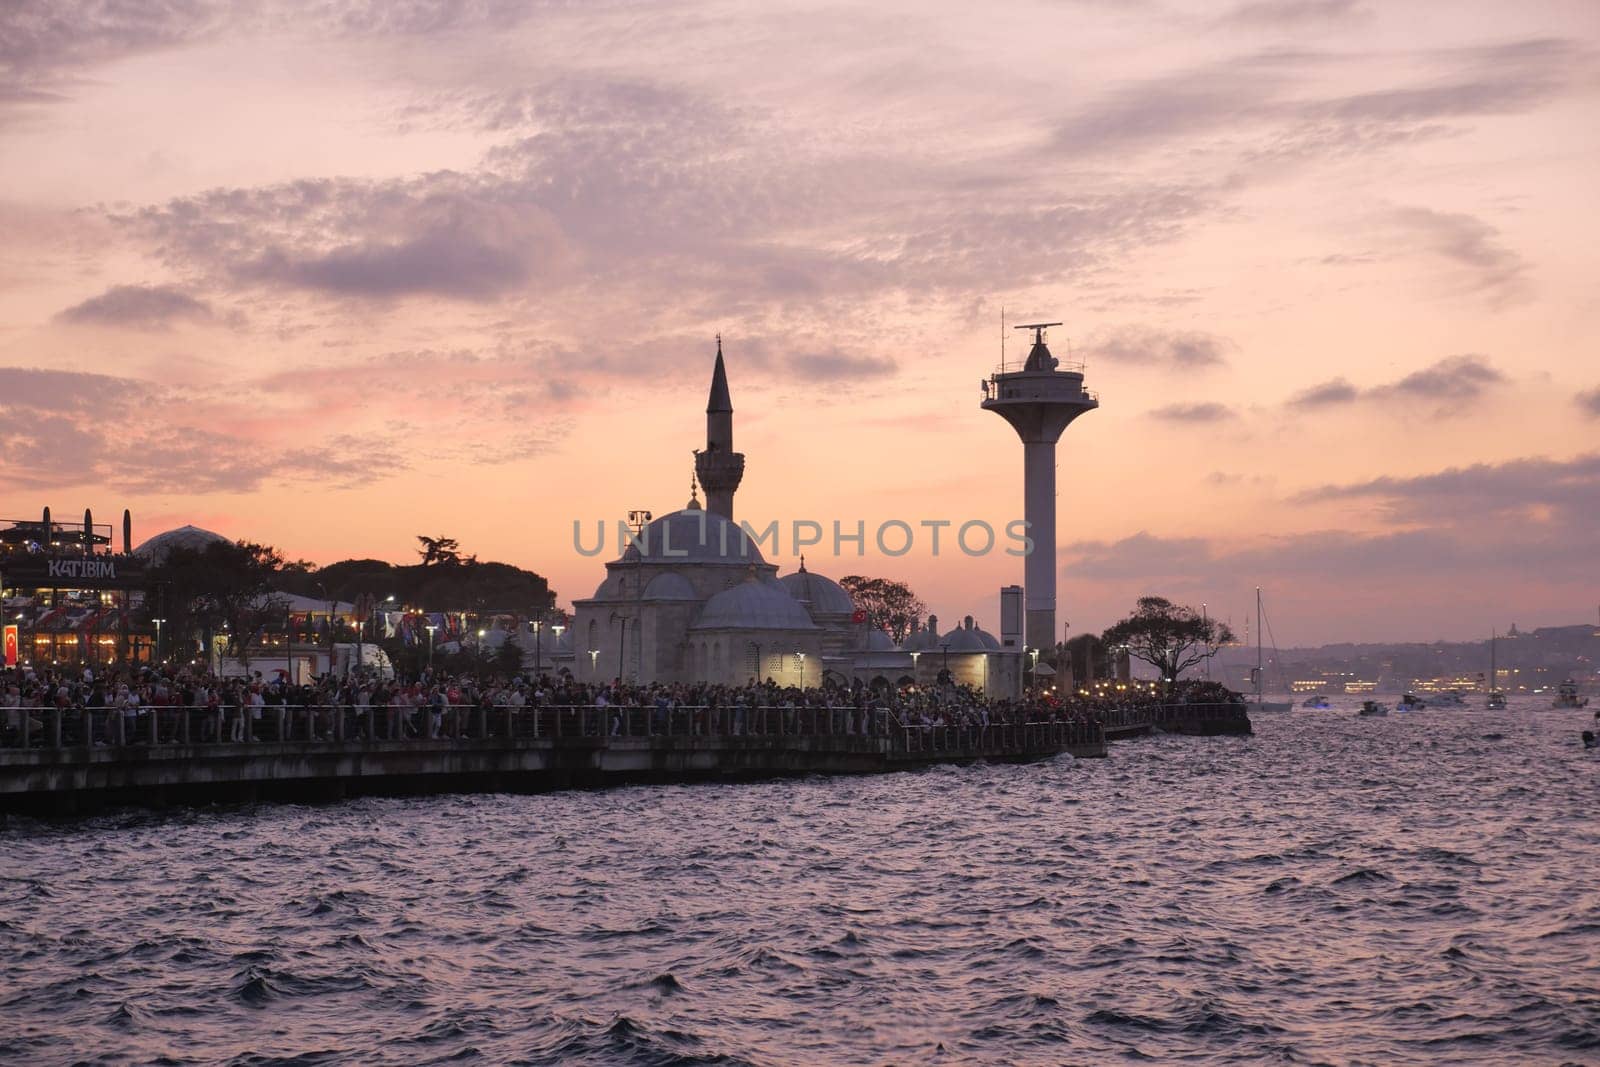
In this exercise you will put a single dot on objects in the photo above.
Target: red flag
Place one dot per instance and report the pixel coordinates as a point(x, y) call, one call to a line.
point(858, 616)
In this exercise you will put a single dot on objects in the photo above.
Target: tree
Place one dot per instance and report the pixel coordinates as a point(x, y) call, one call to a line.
point(223, 587)
point(1169, 637)
point(888, 604)
point(439, 550)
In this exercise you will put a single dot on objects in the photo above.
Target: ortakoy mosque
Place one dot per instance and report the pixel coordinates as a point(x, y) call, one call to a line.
point(691, 598)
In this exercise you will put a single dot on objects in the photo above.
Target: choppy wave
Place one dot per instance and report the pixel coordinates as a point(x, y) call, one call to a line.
point(1419, 889)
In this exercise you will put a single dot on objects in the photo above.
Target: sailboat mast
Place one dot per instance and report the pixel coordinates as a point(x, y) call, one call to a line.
point(1258, 644)
point(1494, 673)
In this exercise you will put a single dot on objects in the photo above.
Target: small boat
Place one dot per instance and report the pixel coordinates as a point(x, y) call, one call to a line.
point(1497, 701)
point(1567, 697)
point(1411, 702)
point(1371, 708)
point(1316, 702)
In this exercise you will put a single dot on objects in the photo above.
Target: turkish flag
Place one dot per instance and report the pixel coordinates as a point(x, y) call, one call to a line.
point(11, 646)
point(858, 616)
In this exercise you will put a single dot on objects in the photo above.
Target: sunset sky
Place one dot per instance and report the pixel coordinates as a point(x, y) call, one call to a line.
point(333, 275)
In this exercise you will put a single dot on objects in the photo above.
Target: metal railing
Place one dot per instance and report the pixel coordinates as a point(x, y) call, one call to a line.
point(1000, 737)
point(1156, 714)
point(151, 726)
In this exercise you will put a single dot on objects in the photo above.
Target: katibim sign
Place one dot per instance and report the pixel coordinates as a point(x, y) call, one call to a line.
point(11, 644)
point(73, 572)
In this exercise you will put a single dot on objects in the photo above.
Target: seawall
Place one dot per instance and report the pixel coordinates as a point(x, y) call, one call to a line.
point(314, 760)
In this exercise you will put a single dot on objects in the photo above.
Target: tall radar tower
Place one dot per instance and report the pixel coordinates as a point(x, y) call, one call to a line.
point(1039, 400)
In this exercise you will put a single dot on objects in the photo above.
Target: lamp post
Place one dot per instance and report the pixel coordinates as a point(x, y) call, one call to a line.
point(332, 604)
point(158, 623)
point(538, 638)
point(431, 628)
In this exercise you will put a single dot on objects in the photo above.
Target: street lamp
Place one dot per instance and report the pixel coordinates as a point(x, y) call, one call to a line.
point(538, 640)
point(332, 604)
point(158, 623)
point(431, 627)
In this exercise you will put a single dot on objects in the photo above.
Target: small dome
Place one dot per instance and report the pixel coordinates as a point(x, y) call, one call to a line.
point(877, 640)
point(970, 638)
point(693, 536)
point(669, 586)
point(923, 638)
point(158, 548)
point(754, 604)
point(822, 596)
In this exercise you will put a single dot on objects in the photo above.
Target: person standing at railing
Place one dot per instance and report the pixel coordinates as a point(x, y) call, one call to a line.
point(258, 710)
point(363, 710)
point(205, 706)
point(437, 703)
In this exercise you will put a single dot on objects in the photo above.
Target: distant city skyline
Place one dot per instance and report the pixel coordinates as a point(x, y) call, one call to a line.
point(330, 277)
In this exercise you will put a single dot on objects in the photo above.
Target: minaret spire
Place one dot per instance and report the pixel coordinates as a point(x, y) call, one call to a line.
point(719, 400)
point(719, 467)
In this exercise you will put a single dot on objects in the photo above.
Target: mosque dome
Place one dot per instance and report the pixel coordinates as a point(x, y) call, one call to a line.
point(970, 638)
point(158, 548)
point(669, 586)
point(693, 536)
point(754, 604)
point(877, 640)
point(823, 596)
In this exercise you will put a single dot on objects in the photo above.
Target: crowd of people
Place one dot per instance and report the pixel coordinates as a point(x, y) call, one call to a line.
point(118, 706)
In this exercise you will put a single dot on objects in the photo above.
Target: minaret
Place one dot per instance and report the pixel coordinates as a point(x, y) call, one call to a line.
point(1039, 400)
point(719, 467)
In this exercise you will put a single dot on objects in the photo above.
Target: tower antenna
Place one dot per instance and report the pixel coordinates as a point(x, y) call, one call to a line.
point(1002, 338)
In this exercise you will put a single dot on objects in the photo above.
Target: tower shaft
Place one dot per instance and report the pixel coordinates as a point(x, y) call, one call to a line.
point(1039, 569)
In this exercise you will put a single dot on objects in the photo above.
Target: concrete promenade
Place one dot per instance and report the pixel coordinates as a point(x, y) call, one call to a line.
point(320, 754)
